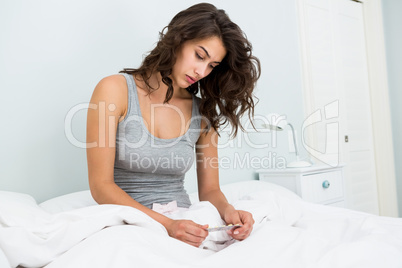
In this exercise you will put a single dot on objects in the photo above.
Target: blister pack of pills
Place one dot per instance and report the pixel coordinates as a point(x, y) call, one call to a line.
point(223, 227)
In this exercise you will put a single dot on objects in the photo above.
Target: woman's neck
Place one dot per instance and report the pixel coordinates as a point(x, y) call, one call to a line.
point(159, 88)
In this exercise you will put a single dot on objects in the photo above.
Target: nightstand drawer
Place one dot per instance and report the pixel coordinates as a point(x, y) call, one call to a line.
point(324, 188)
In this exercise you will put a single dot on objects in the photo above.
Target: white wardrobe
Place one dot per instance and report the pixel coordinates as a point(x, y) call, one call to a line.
point(342, 108)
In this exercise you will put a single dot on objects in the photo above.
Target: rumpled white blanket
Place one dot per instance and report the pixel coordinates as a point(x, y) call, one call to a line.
point(287, 233)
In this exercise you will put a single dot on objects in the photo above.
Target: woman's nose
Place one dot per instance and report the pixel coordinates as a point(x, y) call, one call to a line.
point(202, 70)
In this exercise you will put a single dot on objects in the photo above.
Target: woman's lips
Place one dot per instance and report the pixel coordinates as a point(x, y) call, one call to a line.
point(190, 79)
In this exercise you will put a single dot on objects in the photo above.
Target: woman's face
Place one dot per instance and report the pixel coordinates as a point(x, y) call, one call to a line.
point(196, 59)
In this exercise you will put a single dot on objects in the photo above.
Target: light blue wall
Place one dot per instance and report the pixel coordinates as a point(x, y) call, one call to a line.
point(392, 14)
point(53, 53)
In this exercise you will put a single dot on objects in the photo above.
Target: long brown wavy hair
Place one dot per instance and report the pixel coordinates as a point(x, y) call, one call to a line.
point(227, 92)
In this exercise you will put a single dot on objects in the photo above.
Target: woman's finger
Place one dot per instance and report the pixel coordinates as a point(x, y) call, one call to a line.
point(197, 230)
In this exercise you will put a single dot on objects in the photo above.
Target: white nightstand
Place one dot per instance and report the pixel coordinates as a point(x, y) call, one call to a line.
point(317, 184)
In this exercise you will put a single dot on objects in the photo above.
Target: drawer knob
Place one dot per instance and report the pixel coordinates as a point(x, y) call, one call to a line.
point(325, 184)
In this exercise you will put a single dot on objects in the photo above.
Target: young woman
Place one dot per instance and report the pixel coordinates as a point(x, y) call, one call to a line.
point(146, 125)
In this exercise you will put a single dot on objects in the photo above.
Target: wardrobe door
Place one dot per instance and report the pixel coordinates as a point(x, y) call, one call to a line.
point(335, 65)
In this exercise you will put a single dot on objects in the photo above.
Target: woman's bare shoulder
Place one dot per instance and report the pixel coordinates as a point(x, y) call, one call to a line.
point(114, 83)
point(112, 90)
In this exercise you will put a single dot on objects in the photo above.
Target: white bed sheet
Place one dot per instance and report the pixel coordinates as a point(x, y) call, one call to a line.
point(288, 233)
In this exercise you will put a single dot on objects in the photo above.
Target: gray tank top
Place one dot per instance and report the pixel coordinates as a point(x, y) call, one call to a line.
point(150, 169)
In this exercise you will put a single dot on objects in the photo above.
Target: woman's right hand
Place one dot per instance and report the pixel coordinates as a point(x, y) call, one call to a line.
point(187, 231)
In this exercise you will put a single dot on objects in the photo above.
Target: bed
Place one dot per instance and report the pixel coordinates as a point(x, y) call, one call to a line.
point(73, 231)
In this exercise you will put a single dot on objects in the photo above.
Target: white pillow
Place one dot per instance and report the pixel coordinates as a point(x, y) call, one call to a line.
point(3, 260)
point(68, 202)
point(235, 191)
point(17, 198)
point(19, 208)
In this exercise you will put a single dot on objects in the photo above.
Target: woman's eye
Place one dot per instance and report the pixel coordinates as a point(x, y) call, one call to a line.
point(198, 56)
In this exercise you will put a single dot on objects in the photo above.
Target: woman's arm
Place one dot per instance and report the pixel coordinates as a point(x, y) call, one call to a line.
point(208, 185)
point(108, 106)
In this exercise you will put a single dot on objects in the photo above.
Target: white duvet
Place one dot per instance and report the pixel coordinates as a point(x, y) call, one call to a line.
point(288, 233)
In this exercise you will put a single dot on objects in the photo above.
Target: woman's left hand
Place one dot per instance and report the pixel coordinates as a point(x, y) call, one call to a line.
point(239, 217)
